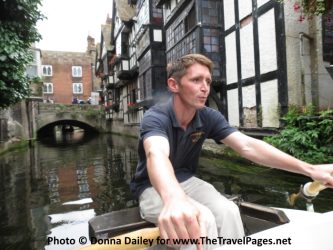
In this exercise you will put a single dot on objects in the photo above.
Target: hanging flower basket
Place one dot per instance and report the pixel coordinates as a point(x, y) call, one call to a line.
point(132, 106)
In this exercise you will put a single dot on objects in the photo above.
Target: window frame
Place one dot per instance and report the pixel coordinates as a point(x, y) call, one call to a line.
point(190, 20)
point(77, 69)
point(47, 85)
point(75, 86)
point(48, 69)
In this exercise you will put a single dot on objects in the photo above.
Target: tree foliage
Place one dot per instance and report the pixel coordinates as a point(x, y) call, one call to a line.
point(307, 135)
point(18, 31)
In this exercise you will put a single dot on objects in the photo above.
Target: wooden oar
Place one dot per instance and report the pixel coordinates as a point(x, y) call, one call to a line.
point(310, 190)
point(139, 239)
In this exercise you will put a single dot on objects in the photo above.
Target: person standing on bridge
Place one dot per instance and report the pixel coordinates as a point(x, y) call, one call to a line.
point(171, 138)
point(75, 100)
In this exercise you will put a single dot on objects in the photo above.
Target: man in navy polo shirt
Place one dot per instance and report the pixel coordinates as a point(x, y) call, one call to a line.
point(171, 138)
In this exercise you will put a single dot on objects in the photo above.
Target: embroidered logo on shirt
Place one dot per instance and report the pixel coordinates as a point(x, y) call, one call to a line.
point(195, 136)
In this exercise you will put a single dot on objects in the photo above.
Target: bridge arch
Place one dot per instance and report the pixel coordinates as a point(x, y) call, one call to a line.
point(49, 128)
point(87, 117)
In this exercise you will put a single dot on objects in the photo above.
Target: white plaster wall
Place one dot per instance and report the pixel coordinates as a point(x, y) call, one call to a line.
point(267, 42)
point(133, 32)
point(117, 24)
point(261, 2)
point(139, 90)
point(249, 96)
point(39, 62)
point(311, 61)
point(118, 45)
point(233, 112)
point(269, 104)
point(173, 4)
point(294, 59)
point(231, 60)
point(247, 51)
point(229, 13)
point(245, 8)
point(305, 63)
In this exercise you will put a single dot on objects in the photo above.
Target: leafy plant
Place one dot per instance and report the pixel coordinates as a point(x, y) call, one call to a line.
point(310, 8)
point(315, 7)
point(93, 113)
point(18, 32)
point(37, 79)
point(36, 86)
point(307, 135)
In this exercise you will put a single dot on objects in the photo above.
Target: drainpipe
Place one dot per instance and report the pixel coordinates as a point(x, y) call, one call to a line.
point(92, 76)
point(301, 36)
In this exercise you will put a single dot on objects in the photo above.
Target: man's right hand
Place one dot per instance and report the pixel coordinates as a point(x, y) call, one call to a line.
point(181, 220)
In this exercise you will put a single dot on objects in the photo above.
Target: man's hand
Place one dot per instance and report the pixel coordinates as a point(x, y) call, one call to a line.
point(181, 220)
point(324, 174)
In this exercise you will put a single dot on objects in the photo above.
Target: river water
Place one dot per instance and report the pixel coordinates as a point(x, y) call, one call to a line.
point(49, 192)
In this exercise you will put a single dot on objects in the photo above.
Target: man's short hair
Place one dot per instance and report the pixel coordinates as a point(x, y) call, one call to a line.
point(177, 69)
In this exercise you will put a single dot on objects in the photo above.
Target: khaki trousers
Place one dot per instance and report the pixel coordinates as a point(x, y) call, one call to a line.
point(223, 217)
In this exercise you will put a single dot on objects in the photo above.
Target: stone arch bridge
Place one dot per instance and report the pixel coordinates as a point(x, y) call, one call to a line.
point(85, 116)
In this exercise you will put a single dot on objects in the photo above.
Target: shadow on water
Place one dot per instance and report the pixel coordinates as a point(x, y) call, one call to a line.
point(50, 191)
point(67, 138)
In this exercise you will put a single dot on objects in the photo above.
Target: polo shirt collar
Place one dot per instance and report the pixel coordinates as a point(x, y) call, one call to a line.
point(195, 123)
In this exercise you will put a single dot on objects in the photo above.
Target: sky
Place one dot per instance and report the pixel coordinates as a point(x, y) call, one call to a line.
point(69, 22)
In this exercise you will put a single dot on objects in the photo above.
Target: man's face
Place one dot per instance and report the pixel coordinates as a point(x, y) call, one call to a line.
point(194, 86)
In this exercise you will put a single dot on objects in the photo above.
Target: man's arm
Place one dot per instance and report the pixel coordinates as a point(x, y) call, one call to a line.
point(262, 153)
point(179, 218)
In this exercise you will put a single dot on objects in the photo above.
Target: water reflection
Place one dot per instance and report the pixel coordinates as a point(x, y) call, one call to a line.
point(54, 188)
point(50, 191)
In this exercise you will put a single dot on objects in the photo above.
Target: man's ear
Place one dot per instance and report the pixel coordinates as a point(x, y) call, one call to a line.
point(173, 85)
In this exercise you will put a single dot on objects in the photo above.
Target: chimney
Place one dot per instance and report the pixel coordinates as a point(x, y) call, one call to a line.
point(91, 43)
point(108, 20)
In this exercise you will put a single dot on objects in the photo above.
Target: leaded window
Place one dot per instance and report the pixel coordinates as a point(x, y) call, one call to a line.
point(47, 70)
point(48, 88)
point(76, 71)
point(77, 88)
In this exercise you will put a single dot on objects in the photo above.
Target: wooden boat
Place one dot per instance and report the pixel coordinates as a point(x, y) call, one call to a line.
point(265, 227)
point(255, 217)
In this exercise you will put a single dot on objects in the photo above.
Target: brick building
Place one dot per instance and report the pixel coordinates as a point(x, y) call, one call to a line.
point(68, 74)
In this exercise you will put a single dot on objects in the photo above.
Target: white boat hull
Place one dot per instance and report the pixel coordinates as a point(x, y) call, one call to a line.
point(305, 231)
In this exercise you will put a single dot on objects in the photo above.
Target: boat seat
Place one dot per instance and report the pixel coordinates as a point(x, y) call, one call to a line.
point(116, 223)
point(255, 218)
